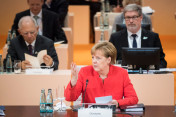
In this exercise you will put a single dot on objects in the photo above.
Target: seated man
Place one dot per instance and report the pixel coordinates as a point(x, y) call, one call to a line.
point(120, 18)
point(134, 36)
point(47, 21)
point(29, 37)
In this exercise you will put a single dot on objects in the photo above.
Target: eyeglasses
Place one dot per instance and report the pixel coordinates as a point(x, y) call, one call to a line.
point(133, 18)
point(31, 33)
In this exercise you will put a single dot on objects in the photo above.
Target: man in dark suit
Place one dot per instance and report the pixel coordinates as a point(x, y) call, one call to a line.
point(134, 36)
point(58, 6)
point(47, 21)
point(31, 43)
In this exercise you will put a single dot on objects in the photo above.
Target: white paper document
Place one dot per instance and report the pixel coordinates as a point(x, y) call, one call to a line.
point(58, 43)
point(103, 100)
point(39, 71)
point(2, 113)
point(36, 61)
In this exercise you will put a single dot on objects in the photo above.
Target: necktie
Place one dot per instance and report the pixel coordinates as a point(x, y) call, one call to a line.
point(30, 49)
point(134, 40)
point(36, 18)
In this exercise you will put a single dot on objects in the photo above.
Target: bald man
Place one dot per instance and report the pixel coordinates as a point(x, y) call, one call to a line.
point(30, 42)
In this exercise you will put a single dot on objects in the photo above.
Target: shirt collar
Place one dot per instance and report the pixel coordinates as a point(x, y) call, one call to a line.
point(39, 15)
point(137, 33)
point(33, 43)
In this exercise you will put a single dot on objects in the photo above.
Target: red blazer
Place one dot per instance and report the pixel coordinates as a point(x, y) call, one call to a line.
point(117, 84)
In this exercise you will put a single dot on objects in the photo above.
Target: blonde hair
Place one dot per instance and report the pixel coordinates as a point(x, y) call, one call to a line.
point(108, 50)
point(126, 2)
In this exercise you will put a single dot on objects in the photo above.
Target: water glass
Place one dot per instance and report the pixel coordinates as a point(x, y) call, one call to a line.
point(61, 97)
point(17, 66)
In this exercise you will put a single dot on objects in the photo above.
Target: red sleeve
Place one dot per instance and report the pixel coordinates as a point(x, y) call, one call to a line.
point(72, 93)
point(130, 96)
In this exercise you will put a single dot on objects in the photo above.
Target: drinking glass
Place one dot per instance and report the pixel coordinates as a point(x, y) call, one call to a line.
point(55, 95)
point(17, 66)
point(61, 97)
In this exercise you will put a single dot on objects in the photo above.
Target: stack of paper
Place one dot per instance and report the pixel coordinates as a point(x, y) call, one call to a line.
point(135, 108)
point(2, 113)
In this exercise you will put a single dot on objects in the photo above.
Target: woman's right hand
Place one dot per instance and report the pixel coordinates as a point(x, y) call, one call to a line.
point(74, 74)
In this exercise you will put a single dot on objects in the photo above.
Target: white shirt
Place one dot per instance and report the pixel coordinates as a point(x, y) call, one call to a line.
point(138, 39)
point(39, 22)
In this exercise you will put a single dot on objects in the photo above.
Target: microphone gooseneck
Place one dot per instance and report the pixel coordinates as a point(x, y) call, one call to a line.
point(85, 91)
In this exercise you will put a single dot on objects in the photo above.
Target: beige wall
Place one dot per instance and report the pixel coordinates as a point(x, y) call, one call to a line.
point(163, 19)
point(7, 13)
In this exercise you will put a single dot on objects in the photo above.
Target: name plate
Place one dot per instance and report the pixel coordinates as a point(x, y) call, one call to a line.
point(39, 71)
point(94, 112)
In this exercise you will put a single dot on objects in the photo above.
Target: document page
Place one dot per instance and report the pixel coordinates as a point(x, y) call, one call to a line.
point(40, 56)
point(103, 100)
point(36, 61)
point(33, 60)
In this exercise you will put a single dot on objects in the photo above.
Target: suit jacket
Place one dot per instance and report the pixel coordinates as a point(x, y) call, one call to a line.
point(60, 7)
point(120, 39)
point(51, 26)
point(18, 47)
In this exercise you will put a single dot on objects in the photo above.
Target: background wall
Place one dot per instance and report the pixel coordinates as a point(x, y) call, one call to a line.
point(8, 10)
point(163, 19)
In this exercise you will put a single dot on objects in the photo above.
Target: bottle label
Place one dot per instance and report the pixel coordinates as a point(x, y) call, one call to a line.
point(42, 107)
point(49, 107)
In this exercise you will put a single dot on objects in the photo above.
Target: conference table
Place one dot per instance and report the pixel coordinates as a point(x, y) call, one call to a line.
point(34, 111)
point(23, 89)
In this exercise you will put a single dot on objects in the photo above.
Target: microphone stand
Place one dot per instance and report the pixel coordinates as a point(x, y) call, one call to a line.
point(85, 91)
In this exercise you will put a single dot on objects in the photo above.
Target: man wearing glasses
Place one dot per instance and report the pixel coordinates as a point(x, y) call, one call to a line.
point(134, 36)
point(31, 43)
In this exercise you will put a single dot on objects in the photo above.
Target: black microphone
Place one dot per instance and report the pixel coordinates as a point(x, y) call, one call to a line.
point(85, 91)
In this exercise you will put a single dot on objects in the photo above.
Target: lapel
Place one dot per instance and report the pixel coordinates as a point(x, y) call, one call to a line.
point(28, 13)
point(24, 47)
point(37, 47)
point(124, 37)
point(144, 38)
